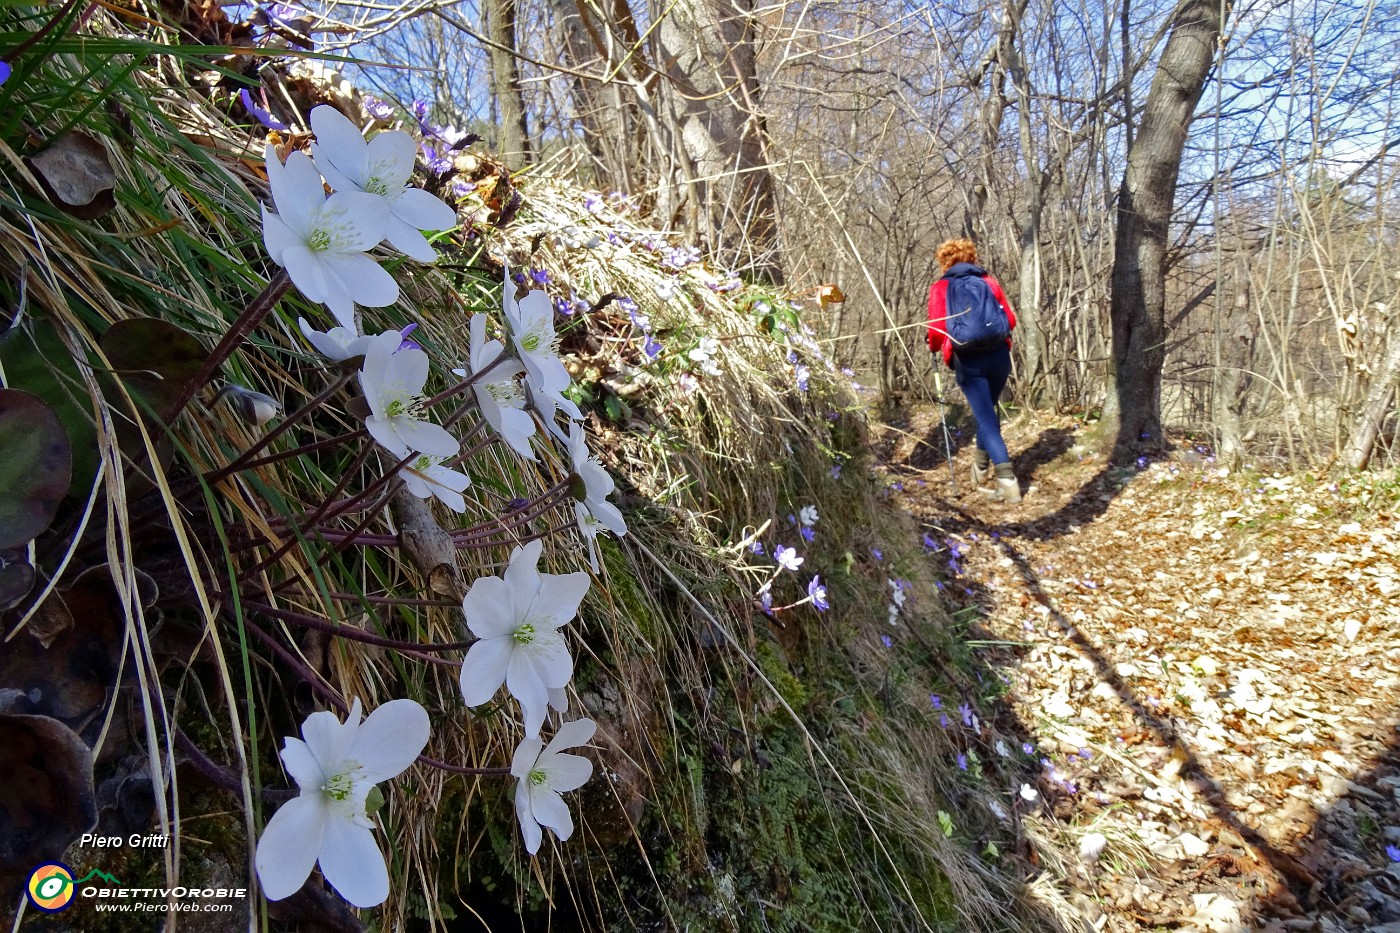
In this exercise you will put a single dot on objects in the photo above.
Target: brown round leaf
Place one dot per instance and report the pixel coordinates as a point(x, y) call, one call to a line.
point(77, 175)
point(46, 799)
point(35, 467)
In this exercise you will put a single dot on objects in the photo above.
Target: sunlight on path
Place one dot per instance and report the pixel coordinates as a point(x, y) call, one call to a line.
point(1211, 666)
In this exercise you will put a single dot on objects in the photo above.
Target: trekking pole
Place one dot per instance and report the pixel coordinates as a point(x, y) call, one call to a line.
point(943, 420)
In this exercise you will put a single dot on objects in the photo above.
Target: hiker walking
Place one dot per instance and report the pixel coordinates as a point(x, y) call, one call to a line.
point(969, 324)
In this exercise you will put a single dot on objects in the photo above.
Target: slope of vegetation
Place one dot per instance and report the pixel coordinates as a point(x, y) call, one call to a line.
point(195, 585)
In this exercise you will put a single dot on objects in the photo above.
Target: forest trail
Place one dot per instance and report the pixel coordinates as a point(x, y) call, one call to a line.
point(1208, 664)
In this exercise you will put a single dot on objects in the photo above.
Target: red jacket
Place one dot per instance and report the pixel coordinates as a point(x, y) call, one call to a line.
point(938, 341)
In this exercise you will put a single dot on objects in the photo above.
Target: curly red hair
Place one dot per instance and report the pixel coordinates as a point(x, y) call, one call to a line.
point(953, 252)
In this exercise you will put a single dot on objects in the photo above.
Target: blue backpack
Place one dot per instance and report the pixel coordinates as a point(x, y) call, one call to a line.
point(976, 321)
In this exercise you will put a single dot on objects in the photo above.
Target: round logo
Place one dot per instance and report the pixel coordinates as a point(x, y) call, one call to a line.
point(50, 887)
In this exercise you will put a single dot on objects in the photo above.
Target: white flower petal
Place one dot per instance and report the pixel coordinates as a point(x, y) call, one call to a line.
point(353, 864)
point(526, 754)
point(366, 281)
point(609, 516)
point(569, 772)
point(423, 211)
point(559, 596)
point(290, 845)
point(487, 607)
point(358, 220)
point(340, 140)
point(426, 437)
point(297, 190)
point(337, 179)
point(571, 734)
point(328, 737)
point(389, 157)
point(406, 239)
point(484, 669)
point(523, 682)
point(522, 574)
point(308, 275)
point(559, 699)
point(277, 236)
point(517, 427)
point(390, 739)
point(300, 762)
point(529, 829)
point(549, 809)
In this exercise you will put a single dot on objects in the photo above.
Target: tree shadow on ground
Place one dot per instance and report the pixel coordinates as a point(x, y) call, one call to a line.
point(1333, 870)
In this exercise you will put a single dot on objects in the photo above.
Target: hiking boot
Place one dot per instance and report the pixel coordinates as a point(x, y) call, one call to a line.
point(1004, 490)
point(980, 474)
point(1007, 488)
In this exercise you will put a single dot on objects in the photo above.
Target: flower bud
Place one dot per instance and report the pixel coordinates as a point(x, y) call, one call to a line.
point(254, 408)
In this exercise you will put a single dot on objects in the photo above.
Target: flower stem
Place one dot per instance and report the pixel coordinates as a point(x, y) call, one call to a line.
point(251, 317)
point(246, 458)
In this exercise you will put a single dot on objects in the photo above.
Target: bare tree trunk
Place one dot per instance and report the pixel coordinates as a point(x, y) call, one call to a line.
point(1236, 360)
point(1145, 201)
point(707, 50)
point(1367, 426)
point(514, 141)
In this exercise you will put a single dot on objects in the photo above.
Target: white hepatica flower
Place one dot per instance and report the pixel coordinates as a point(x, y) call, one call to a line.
point(426, 476)
point(704, 355)
point(338, 343)
point(321, 241)
point(531, 321)
point(393, 383)
point(544, 772)
point(380, 167)
point(498, 394)
point(335, 768)
point(517, 618)
point(808, 516)
point(594, 512)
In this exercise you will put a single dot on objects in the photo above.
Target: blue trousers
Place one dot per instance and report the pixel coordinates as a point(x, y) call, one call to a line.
point(982, 376)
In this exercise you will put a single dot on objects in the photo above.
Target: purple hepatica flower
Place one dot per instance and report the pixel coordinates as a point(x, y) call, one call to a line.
point(1028, 748)
point(765, 599)
point(886, 641)
point(624, 303)
point(1393, 853)
point(592, 203)
point(877, 553)
point(935, 701)
point(836, 471)
point(258, 113)
point(943, 720)
point(379, 109)
point(518, 278)
point(962, 762)
point(756, 547)
point(438, 161)
point(965, 711)
point(461, 186)
point(808, 534)
point(792, 356)
point(652, 348)
point(563, 306)
point(1085, 754)
point(802, 374)
point(539, 276)
point(787, 558)
point(818, 594)
point(897, 487)
point(5, 71)
point(405, 343)
point(792, 519)
point(516, 504)
point(929, 543)
point(420, 109)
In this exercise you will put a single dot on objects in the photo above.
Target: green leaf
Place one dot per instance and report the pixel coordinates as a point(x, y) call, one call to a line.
point(945, 822)
point(38, 361)
point(35, 469)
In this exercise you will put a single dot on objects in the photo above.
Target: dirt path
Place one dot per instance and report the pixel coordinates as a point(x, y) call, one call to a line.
point(1209, 664)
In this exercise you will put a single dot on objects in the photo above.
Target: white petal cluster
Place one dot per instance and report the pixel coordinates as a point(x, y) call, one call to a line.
point(323, 241)
point(335, 764)
point(594, 512)
point(517, 618)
